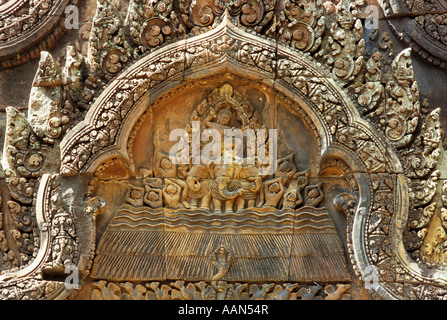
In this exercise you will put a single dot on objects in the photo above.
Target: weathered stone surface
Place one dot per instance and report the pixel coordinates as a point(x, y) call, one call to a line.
point(110, 177)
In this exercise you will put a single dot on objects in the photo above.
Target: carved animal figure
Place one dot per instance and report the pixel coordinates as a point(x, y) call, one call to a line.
point(183, 293)
point(259, 294)
point(224, 189)
point(221, 290)
point(223, 260)
point(284, 294)
point(199, 186)
point(336, 294)
point(250, 182)
point(237, 291)
point(308, 293)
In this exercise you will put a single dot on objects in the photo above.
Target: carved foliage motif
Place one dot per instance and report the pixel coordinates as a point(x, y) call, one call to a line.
point(56, 226)
point(28, 145)
point(254, 55)
point(343, 49)
point(108, 48)
point(21, 19)
point(422, 162)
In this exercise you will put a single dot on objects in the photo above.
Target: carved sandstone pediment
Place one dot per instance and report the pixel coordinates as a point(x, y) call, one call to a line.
point(174, 218)
point(345, 202)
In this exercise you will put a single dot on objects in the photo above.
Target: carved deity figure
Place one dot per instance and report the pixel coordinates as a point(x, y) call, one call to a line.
point(63, 246)
point(344, 50)
point(222, 260)
point(223, 119)
point(222, 123)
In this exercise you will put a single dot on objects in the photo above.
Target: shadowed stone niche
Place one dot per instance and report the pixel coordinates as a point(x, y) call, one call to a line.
point(224, 150)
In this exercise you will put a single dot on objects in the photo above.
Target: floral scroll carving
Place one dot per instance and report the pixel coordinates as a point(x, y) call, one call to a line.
point(21, 25)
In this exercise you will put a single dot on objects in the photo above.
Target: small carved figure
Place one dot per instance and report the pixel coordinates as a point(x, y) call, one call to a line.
point(313, 195)
point(153, 197)
point(337, 294)
point(291, 195)
point(286, 168)
point(105, 291)
point(63, 245)
point(156, 183)
point(135, 196)
point(237, 291)
point(183, 293)
point(260, 294)
point(308, 293)
point(171, 194)
point(156, 293)
point(284, 294)
point(220, 290)
point(273, 192)
point(303, 180)
point(168, 170)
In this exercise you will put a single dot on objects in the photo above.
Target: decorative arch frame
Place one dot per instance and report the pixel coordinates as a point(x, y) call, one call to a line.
point(144, 81)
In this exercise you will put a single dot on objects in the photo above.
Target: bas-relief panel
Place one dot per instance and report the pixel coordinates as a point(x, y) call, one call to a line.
point(198, 186)
point(219, 226)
